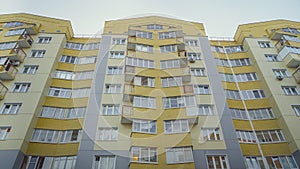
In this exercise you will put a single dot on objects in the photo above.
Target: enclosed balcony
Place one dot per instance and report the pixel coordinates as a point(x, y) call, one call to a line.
point(17, 54)
point(3, 90)
point(296, 75)
point(25, 40)
point(291, 56)
point(7, 70)
point(127, 112)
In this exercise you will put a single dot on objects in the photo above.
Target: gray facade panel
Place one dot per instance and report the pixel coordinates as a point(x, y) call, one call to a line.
point(233, 150)
point(297, 157)
point(85, 154)
point(11, 159)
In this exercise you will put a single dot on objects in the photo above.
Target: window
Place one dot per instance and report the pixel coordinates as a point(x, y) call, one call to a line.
point(169, 64)
point(281, 72)
point(265, 44)
point(270, 136)
point(3, 132)
point(233, 62)
point(144, 48)
point(272, 58)
point(87, 60)
point(253, 94)
point(91, 46)
point(68, 59)
point(198, 72)
point(227, 49)
point(211, 134)
point(154, 27)
point(13, 32)
point(282, 162)
point(38, 162)
point(291, 38)
point(139, 62)
point(44, 39)
point(291, 30)
point(114, 70)
point(30, 69)
point(255, 114)
point(176, 126)
point(73, 75)
point(144, 81)
point(147, 35)
point(37, 53)
point(110, 109)
point(68, 93)
point(112, 88)
point(201, 89)
point(254, 162)
point(20, 87)
point(179, 102)
point(191, 42)
point(63, 113)
point(145, 102)
point(144, 154)
point(13, 24)
point(179, 155)
point(117, 54)
point(166, 35)
point(56, 136)
point(217, 161)
point(290, 90)
point(75, 46)
point(104, 162)
point(296, 109)
point(144, 126)
point(205, 110)
point(10, 108)
point(7, 45)
point(119, 41)
point(194, 56)
point(108, 134)
point(171, 81)
point(168, 48)
point(233, 94)
point(244, 77)
point(245, 136)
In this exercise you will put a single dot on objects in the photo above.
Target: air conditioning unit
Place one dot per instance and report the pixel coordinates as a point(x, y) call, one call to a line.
point(192, 60)
point(279, 77)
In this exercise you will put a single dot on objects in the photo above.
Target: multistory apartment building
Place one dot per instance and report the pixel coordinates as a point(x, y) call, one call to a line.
point(153, 92)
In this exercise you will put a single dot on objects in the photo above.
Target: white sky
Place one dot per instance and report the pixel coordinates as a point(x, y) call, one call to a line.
point(220, 17)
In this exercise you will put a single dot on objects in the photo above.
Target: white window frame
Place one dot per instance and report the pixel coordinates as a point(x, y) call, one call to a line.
point(117, 54)
point(170, 64)
point(56, 136)
point(201, 89)
point(144, 48)
point(145, 102)
point(7, 45)
point(10, 108)
point(74, 46)
point(137, 62)
point(37, 53)
point(205, 110)
point(245, 136)
point(114, 70)
point(44, 40)
point(265, 44)
point(144, 81)
point(30, 69)
point(4, 132)
point(253, 94)
point(290, 90)
point(198, 71)
point(110, 110)
point(178, 155)
point(171, 81)
point(176, 126)
point(107, 134)
point(150, 152)
point(194, 56)
point(211, 134)
point(143, 34)
point(272, 57)
point(166, 35)
point(191, 42)
point(20, 87)
point(13, 32)
point(113, 88)
point(281, 72)
point(98, 160)
point(144, 126)
point(220, 160)
point(63, 113)
point(178, 102)
point(296, 109)
point(266, 136)
point(168, 48)
point(118, 41)
point(253, 162)
point(154, 27)
point(69, 59)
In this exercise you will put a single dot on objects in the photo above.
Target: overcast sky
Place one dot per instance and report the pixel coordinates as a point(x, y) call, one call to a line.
point(220, 17)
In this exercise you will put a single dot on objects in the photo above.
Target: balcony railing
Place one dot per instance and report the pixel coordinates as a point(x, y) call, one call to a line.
point(17, 54)
point(3, 91)
point(25, 40)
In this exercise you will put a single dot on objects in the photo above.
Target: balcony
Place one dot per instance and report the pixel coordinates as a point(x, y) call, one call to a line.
point(129, 73)
point(7, 70)
point(296, 75)
point(25, 40)
point(3, 91)
point(17, 54)
point(127, 112)
point(291, 56)
point(31, 29)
